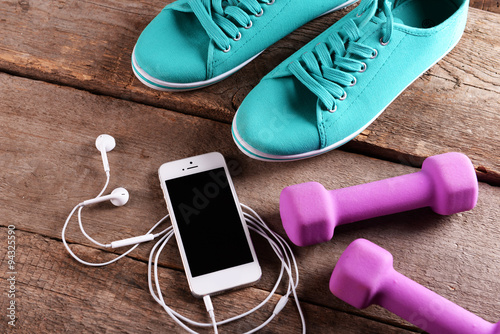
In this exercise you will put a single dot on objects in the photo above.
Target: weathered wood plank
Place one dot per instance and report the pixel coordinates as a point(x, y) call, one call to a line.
point(49, 163)
point(54, 294)
point(59, 41)
point(489, 5)
point(453, 107)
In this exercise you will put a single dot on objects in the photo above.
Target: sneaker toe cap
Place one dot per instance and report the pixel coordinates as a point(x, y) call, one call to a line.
point(173, 48)
point(279, 124)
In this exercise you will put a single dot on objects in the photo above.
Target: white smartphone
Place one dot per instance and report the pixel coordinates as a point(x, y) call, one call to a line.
point(213, 238)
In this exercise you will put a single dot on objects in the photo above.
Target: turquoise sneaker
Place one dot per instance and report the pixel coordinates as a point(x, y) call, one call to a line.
point(334, 87)
point(195, 43)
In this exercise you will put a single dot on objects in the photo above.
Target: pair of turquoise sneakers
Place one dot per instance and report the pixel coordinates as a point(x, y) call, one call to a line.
point(323, 95)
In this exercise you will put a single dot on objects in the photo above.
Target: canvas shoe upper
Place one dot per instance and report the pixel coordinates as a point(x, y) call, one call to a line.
point(334, 87)
point(194, 43)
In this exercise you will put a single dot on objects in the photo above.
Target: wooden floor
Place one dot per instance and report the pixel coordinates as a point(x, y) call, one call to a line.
point(65, 78)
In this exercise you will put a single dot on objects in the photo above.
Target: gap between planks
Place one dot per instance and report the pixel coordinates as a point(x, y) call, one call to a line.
point(69, 296)
point(444, 121)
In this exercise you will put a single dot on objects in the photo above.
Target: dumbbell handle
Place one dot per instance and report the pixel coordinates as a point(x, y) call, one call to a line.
point(428, 310)
point(384, 197)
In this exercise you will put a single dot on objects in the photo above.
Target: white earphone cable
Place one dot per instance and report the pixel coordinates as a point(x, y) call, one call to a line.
point(80, 207)
point(255, 223)
point(279, 246)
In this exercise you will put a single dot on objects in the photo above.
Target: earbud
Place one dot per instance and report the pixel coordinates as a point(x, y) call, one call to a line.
point(105, 143)
point(118, 197)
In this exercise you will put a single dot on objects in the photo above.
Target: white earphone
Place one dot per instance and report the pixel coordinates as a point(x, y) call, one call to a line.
point(118, 197)
point(104, 144)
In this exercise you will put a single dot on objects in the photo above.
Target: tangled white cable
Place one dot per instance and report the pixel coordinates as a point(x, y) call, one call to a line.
point(119, 197)
point(280, 248)
point(115, 244)
point(255, 224)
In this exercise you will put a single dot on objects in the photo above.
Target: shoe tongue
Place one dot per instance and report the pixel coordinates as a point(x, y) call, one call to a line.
point(370, 9)
point(392, 3)
point(396, 3)
point(376, 10)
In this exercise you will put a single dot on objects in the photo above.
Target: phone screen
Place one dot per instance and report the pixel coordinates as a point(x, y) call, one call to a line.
point(208, 221)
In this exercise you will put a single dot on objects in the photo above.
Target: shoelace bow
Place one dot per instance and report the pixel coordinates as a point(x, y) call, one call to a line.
point(325, 71)
point(220, 18)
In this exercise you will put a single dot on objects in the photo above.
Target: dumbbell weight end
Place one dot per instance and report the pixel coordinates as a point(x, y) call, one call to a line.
point(364, 275)
point(447, 183)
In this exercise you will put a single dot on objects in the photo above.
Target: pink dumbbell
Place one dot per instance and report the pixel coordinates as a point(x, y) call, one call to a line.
point(447, 183)
point(364, 275)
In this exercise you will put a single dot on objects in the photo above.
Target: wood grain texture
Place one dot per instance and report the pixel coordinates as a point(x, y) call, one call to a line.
point(49, 163)
point(55, 294)
point(87, 45)
point(489, 5)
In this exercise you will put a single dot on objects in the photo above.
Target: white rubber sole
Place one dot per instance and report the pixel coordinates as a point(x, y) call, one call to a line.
point(152, 82)
point(158, 84)
point(259, 155)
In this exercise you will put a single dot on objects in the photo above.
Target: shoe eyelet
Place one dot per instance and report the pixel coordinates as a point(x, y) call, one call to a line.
point(363, 68)
point(249, 25)
point(343, 97)
point(237, 38)
point(375, 54)
point(227, 50)
point(382, 42)
point(354, 82)
point(261, 12)
point(269, 3)
point(331, 111)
